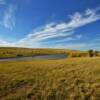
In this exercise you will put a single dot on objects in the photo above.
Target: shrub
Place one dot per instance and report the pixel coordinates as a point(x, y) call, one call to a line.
point(19, 55)
point(96, 53)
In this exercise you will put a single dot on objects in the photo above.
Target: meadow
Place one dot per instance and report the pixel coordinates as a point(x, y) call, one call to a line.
point(73, 78)
point(67, 79)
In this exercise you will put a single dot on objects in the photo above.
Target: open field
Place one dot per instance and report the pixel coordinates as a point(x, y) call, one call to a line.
point(68, 79)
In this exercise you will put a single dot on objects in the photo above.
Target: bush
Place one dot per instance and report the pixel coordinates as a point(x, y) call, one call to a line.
point(19, 55)
point(96, 53)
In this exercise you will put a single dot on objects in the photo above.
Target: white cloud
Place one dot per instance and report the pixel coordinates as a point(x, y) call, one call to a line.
point(59, 30)
point(9, 18)
point(64, 29)
point(2, 2)
point(6, 44)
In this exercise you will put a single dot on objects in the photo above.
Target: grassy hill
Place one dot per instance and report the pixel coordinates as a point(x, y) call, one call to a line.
point(18, 52)
point(69, 79)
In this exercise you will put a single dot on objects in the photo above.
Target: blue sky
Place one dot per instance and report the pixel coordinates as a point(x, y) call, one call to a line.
point(70, 24)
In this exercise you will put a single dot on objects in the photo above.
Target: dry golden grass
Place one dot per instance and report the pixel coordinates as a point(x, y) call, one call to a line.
point(67, 79)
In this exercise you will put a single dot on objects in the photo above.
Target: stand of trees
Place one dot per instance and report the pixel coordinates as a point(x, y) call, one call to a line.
point(93, 53)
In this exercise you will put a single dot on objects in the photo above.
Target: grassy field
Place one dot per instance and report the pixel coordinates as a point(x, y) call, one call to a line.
point(67, 79)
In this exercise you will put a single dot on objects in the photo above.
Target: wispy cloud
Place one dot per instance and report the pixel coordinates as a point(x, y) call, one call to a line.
point(6, 44)
point(9, 17)
point(63, 31)
point(2, 2)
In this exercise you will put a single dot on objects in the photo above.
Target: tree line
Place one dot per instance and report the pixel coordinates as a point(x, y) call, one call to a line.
point(93, 53)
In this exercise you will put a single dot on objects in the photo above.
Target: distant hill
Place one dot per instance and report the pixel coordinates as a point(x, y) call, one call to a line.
point(6, 52)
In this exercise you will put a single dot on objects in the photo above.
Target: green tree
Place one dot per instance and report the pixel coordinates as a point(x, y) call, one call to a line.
point(91, 53)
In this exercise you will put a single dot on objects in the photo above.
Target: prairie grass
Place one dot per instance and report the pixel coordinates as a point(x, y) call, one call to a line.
point(67, 79)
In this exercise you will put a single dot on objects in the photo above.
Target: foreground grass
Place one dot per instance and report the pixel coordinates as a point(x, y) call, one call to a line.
point(68, 79)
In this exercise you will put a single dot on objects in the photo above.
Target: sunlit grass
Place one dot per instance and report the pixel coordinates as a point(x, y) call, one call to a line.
point(69, 79)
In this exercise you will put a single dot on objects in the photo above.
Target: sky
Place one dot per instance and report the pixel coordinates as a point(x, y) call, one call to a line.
point(68, 24)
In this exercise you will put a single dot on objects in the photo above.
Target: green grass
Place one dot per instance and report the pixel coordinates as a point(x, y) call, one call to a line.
point(68, 79)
